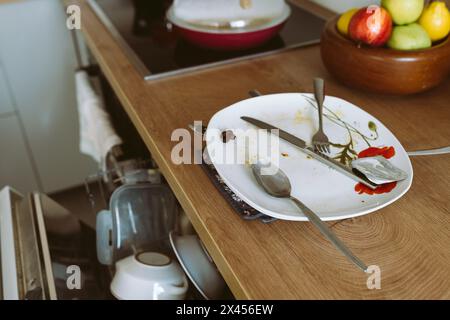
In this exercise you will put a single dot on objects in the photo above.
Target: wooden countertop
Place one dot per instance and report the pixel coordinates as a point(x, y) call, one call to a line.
point(409, 240)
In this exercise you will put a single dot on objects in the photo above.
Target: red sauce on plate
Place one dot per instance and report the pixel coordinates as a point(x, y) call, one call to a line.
point(387, 152)
point(384, 188)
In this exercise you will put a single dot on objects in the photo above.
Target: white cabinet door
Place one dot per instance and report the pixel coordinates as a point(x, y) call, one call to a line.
point(6, 104)
point(15, 164)
point(39, 61)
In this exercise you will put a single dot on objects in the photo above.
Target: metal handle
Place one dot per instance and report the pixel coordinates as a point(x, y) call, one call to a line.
point(329, 234)
point(430, 152)
point(319, 94)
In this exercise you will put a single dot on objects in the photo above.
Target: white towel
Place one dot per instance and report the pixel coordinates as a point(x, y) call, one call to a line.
point(227, 10)
point(97, 135)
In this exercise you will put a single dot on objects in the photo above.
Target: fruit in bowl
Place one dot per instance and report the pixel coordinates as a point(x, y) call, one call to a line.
point(402, 47)
point(399, 24)
point(371, 25)
point(409, 37)
point(435, 20)
point(382, 69)
point(344, 20)
point(404, 11)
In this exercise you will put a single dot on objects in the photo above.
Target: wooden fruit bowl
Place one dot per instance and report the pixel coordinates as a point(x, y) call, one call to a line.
point(383, 70)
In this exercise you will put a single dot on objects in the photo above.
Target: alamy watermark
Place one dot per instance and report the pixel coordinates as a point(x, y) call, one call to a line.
point(73, 21)
point(73, 281)
point(228, 146)
point(374, 280)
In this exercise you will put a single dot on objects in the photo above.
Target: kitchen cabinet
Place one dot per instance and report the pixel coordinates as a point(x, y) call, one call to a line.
point(39, 62)
point(15, 163)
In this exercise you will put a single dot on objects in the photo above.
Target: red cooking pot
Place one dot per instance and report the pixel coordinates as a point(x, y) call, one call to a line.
point(232, 38)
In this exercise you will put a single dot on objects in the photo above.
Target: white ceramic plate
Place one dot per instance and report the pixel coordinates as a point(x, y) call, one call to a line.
point(327, 192)
point(198, 265)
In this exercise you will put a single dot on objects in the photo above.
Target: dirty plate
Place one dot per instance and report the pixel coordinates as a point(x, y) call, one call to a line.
point(353, 132)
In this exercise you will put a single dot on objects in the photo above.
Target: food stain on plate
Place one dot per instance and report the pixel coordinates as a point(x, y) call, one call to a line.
point(275, 118)
point(383, 188)
point(299, 118)
point(338, 113)
point(386, 152)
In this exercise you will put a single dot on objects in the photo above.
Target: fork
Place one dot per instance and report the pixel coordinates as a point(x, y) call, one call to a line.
point(428, 152)
point(320, 140)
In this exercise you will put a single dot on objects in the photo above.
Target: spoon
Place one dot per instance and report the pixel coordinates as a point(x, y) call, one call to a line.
point(279, 186)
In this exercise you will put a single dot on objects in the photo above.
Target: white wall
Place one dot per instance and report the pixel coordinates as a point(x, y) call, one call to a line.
point(15, 166)
point(38, 62)
point(6, 105)
point(343, 5)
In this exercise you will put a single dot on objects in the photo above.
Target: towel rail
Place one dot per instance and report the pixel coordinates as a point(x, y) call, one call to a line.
point(92, 70)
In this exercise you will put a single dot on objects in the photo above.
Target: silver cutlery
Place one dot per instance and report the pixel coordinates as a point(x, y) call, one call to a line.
point(279, 186)
point(430, 152)
point(379, 170)
point(311, 152)
point(320, 140)
point(264, 218)
point(376, 169)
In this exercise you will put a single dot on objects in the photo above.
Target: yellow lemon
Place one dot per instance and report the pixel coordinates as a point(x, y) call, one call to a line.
point(344, 21)
point(435, 20)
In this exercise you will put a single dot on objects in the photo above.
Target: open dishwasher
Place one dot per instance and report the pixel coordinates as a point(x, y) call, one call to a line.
point(47, 252)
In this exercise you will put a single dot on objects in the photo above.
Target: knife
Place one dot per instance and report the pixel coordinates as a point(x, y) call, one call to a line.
point(309, 151)
point(429, 152)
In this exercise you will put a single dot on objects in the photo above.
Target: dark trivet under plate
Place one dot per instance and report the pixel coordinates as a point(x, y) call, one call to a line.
point(244, 210)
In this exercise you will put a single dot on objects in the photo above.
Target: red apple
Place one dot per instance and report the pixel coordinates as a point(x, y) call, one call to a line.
point(371, 25)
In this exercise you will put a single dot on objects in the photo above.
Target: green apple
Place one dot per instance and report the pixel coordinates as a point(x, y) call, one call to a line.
point(404, 11)
point(410, 37)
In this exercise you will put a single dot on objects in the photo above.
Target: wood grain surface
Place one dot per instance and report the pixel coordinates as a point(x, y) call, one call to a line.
point(409, 240)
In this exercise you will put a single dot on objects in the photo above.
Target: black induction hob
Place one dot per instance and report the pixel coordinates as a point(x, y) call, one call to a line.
point(139, 26)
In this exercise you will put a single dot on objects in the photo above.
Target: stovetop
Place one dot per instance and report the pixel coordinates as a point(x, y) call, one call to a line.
point(139, 26)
